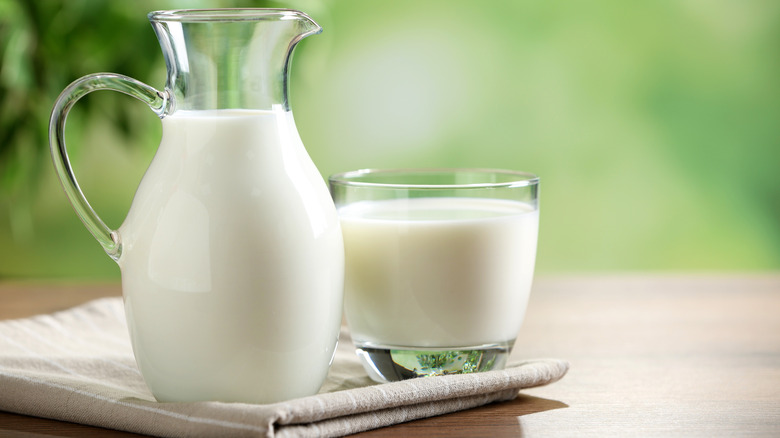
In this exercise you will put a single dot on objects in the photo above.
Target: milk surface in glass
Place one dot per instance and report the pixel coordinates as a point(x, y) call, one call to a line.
point(437, 273)
point(232, 266)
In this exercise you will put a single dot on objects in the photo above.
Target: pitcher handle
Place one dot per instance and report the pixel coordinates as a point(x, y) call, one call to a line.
point(158, 101)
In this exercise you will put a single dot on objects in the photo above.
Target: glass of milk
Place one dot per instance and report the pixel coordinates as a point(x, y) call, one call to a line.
point(439, 265)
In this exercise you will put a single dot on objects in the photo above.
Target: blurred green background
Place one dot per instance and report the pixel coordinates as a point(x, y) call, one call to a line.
point(655, 126)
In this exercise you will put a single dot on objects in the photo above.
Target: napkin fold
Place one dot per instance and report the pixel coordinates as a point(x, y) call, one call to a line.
point(77, 365)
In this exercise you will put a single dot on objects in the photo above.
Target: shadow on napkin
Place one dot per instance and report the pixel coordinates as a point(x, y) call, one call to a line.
point(495, 419)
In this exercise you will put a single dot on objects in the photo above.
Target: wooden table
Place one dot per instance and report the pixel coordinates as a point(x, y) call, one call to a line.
point(651, 355)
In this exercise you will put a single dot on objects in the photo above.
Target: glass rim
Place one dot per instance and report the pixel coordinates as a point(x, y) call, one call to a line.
point(222, 14)
point(521, 179)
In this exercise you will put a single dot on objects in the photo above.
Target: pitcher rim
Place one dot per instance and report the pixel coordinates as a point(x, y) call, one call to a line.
point(222, 14)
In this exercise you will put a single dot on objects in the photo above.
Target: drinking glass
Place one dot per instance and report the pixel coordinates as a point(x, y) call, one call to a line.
point(439, 266)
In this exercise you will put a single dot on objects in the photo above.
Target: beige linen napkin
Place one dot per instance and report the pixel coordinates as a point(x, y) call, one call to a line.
point(77, 365)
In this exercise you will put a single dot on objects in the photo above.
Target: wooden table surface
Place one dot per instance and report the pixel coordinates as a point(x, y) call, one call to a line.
point(651, 355)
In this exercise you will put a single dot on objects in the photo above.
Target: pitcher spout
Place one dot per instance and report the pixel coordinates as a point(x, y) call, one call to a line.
point(307, 26)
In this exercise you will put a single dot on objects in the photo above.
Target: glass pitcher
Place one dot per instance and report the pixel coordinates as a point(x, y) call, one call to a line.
point(231, 253)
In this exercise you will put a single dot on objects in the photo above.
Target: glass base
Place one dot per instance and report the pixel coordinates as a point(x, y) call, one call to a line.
point(391, 363)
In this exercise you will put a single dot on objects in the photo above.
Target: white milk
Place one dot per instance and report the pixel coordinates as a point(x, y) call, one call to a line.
point(437, 272)
point(232, 263)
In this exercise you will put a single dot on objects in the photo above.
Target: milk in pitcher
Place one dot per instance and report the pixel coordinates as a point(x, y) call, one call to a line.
point(228, 266)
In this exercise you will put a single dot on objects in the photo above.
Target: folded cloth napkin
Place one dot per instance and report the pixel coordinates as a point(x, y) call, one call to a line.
point(77, 365)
